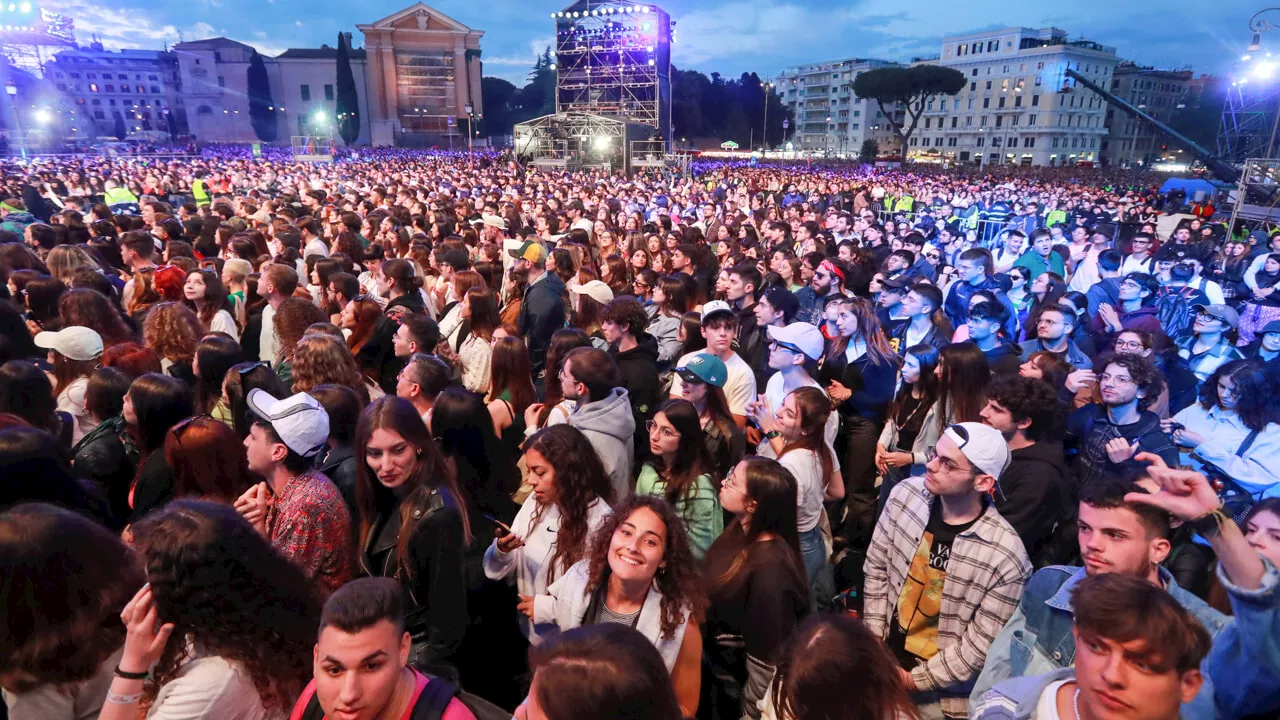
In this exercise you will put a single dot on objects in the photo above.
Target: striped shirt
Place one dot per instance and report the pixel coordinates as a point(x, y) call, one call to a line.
point(985, 575)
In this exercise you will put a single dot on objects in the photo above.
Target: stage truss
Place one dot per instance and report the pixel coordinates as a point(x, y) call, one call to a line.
point(30, 35)
point(614, 59)
point(312, 148)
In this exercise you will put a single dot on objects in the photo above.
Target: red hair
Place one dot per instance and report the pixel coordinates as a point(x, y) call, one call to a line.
point(169, 282)
point(131, 359)
point(208, 461)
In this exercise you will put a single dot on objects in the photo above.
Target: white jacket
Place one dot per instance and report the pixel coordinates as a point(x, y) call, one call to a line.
point(566, 601)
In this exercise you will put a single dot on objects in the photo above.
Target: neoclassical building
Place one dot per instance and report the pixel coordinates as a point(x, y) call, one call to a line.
point(422, 70)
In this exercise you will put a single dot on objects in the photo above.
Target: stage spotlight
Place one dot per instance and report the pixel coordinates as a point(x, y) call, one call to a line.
point(601, 143)
point(43, 116)
point(1264, 70)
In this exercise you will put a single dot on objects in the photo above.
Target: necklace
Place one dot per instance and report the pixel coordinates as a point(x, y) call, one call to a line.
point(1075, 703)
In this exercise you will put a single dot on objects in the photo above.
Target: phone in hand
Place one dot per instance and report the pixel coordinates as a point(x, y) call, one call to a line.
point(1175, 427)
point(505, 528)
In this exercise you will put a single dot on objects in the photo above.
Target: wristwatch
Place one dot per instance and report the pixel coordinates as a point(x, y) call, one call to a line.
point(773, 434)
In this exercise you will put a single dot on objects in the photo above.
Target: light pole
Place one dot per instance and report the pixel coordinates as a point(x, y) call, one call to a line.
point(785, 124)
point(765, 135)
point(471, 160)
point(12, 89)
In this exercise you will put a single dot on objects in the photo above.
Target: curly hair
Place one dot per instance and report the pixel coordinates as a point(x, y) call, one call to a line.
point(172, 330)
point(71, 621)
point(325, 360)
point(293, 317)
point(1254, 396)
point(220, 582)
point(580, 479)
point(1026, 399)
point(90, 308)
point(679, 580)
point(1144, 374)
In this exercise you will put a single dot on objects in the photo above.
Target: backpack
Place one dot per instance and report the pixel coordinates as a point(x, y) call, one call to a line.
point(1175, 309)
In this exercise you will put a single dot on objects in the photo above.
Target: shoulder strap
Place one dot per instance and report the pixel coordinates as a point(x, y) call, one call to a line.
point(311, 711)
point(1248, 443)
point(434, 700)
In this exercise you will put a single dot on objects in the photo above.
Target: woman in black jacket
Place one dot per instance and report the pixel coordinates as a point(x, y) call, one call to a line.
point(153, 405)
point(413, 526)
point(859, 371)
point(106, 456)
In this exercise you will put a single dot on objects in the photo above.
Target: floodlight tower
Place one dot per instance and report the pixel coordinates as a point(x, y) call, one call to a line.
point(613, 58)
point(1251, 113)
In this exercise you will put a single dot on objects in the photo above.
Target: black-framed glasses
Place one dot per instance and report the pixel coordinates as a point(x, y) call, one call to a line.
point(775, 344)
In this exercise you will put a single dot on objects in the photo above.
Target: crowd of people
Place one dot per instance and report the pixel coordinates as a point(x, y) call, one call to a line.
point(410, 436)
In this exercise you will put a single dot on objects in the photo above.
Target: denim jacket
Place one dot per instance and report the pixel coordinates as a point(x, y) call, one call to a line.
point(1038, 638)
point(1016, 698)
point(1244, 663)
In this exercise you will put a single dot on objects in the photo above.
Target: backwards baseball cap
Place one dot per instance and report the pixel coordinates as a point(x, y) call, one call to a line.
point(983, 445)
point(300, 420)
point(897, 283)
point(784, 301)
point(1225, 313)
point(529, 250)
point(799, 335)
point(73, 343)
point(704, 368)
point(714, 307)
point(455, 258)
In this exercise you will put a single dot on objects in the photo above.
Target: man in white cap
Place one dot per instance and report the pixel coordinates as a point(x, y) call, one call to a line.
point(794, 351)
point(297, 508)
point(719, 329)
point(945, 570)
point(76, 344)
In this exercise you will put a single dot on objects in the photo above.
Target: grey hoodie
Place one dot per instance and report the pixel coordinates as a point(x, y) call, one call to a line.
point(609, 425)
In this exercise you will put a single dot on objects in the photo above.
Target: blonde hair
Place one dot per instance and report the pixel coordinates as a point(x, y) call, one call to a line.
point(324, 359)
point(65, 260)
point(172, 330)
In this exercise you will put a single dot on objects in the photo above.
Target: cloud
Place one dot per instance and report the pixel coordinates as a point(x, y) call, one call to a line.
point(121, 27)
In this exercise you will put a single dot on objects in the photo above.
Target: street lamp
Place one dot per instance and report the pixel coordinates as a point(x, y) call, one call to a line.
point(765, 134)
point(471, 160)
point(12, 89)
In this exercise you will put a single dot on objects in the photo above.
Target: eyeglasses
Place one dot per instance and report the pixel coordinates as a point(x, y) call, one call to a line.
point(667, 433)
point(1207, 316)
point(1130, 345)
point(775, 344)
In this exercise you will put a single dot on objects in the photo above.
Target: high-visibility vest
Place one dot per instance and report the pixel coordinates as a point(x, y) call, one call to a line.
point(201, 195)
point(1054, 217)
point(119, 196)
point(905, 204)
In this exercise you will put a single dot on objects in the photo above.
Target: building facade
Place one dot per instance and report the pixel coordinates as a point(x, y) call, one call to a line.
point(1159, 93)
point(305, 84)
point(102, 93)
point(1019, 107)
point(829, 117)
point(423, 72)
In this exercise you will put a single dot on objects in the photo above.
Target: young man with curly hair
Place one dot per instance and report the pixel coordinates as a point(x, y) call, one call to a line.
point(1109, 434)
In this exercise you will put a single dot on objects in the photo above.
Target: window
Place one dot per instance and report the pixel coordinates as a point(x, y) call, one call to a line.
point(1013, 142)
point(857, 113)
point(1013, 120)
point(1017, 101)
point(204, 110)
point(1031, 119)
point(328, 92)
point(988, 84)
point(855, 125)
point(993, 45)
point(1000, 102)
point(152, 77)
point(968, 122)
point(999, 120)
point(1035, 100)
point(222, 82)
point(954, 120)
point(154, 90)
point(141, 89)
point(951, 142)
point(973, 86)
point(980, 141)
point(99, 115)
point(96, 101)
point(986, 102)
point(1029, 142)
point(1039, 66)
point(93, 87)
point(306, 92)
point(91, 76)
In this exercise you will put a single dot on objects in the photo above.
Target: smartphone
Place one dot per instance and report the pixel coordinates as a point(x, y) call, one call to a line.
point(498, 522)
point(1176, 426)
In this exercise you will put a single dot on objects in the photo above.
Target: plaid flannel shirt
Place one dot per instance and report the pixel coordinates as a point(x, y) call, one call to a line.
point(985, 575)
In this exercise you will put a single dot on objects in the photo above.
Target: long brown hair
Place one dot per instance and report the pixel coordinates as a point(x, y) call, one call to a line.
point(962, 393)
point(89, 308)
point(774, 490)
point(869, 332)
point(367, 313)
point(207, 459)
point(483, 304)
point(679, 580)
point(215, 298)
point(511, 371)
point(691, 457)
point(580, 480)
point(431, 473)
point(814, 407)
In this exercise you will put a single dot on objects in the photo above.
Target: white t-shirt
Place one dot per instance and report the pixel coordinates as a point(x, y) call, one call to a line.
point(222, 322)
point(775, 394)
point(806, 467)
point(1047, 707)
point(71, 401)
point(739, 387)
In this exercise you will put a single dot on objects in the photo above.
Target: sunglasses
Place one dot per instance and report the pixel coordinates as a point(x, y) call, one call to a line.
point(246, 368)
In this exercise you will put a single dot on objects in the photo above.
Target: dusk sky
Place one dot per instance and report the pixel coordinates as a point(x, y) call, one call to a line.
point(725, 36)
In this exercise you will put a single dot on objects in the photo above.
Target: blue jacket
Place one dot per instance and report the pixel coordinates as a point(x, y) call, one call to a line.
point(1038, 638)
point(1074, 355)
point(541, 314)
point(956, 306)
point(1244, 663)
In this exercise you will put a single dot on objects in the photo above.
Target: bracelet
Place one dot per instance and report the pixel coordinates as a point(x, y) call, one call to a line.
point(123, 699)
point(1209, 524)
point(773, 434)
point(132, 675)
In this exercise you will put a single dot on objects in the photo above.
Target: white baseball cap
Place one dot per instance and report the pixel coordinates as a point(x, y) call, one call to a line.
point(985, 447)
point(74, 343)
point(713, 307)
point(596, 290)
point(300, 420)
point(801, 335)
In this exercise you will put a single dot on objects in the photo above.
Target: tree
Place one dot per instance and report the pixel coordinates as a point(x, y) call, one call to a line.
point(119, 129)
point(912, 88)
point(497, 95)
point(262, 118)
point(870, 150)
point(347, 102)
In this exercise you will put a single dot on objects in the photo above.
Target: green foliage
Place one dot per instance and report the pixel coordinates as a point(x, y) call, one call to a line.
point(869, 151)
point(347, 105)
point(911, 88)
point(264, 121)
